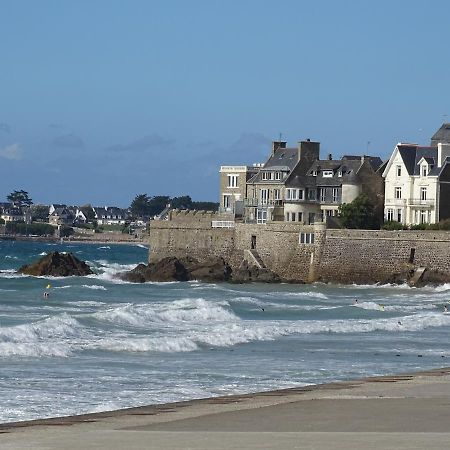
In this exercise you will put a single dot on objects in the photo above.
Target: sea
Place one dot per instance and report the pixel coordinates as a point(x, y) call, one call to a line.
point(98, 343)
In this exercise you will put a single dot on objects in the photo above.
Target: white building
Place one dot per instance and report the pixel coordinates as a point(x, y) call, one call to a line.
point(417, 184)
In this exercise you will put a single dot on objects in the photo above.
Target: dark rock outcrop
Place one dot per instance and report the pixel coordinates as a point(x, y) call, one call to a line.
point(57, 264)
point(174, 269)
point(247, 274)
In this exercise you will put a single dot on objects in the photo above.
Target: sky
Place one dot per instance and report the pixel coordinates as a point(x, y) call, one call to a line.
point(102, 100)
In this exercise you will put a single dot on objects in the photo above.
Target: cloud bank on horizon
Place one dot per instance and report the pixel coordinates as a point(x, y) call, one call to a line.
point(102, 110)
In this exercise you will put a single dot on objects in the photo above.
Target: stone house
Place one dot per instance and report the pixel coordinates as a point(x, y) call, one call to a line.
point(233, 187)
point(11, 213)
point(315, 194)
point(266, 189)
point(60, 215)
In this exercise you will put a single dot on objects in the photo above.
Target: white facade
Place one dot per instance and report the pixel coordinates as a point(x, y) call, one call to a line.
point(412, 197)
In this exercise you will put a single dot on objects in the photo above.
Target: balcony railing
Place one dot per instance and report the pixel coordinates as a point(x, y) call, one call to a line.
point(222, 224)
point(395, 201)
point(421, 202)
point(258, 202)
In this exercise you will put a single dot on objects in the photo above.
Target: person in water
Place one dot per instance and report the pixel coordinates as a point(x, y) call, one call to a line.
point(45, 294)
point(445, 308)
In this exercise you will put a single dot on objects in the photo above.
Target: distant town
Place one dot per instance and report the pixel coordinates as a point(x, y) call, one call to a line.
point(20, 216)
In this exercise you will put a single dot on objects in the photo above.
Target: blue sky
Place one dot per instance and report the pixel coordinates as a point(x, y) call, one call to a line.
point(102, 100)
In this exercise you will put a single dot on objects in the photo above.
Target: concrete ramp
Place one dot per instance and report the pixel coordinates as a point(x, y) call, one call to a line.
point(253, 258)
point(418, 274)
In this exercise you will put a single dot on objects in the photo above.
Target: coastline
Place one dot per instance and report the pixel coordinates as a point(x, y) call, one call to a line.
point(408, 410)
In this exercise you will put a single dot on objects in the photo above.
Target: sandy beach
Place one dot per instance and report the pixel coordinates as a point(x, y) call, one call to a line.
point(408, 411)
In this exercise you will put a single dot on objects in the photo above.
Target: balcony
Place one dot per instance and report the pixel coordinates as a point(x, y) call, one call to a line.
point(257, 202)
point(395, 201)
point(418, 202)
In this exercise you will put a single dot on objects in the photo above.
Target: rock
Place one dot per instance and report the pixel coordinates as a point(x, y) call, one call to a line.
point(209, 270)
point(184, 269)
point(57, 265)
point(247, 274)
point(166, 269)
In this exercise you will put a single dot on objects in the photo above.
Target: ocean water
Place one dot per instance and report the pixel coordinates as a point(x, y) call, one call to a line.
point(99, 344)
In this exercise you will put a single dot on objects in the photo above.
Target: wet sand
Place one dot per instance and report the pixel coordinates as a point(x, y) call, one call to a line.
point(408, 411)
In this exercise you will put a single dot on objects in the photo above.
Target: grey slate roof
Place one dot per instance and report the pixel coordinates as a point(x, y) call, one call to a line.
point(283, 159)
point(442, 135)
point(412, 154)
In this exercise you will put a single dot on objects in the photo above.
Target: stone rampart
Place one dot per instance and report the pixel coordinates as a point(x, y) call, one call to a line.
point(344, 256)
point(366, 256)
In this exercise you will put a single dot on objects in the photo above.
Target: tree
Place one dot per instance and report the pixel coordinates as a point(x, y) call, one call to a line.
point(39, 212)
point(140, 206)
point(158, 203)
point(184, 202)
point(360, 213)
point(20, 198)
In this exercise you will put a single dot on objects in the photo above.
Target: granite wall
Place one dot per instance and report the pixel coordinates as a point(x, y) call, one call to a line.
point(344, 256)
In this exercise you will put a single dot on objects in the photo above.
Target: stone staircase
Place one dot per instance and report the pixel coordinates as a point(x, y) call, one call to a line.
point(253, 258)
point(418, 274)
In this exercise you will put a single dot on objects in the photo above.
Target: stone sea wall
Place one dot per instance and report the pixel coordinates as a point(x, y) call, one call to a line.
point(343, 256)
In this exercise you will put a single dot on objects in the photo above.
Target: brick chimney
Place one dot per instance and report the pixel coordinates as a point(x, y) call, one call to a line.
point(278, 144)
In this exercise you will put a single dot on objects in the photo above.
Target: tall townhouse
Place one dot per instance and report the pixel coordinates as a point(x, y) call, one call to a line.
point(266, 189)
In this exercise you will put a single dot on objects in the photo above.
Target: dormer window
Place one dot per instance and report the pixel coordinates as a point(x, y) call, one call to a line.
point(424, 170)
point(327, 173)
point(277, 175)
point(314, 173)
point(340, 173)
point(265, 175)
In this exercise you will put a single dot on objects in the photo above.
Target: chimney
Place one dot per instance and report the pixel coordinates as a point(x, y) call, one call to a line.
point(330, 157)
point(443, 152)
point(278, 144)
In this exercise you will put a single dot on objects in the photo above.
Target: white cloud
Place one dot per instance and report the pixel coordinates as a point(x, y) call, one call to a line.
point(12, 152)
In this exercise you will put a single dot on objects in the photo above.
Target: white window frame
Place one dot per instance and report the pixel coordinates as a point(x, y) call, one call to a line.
point(276, 194)
point(264, 196)
point(423, 193)
point(322, 194)
point(261, 216)
point(398, 170)
point(335, 195)
point(265, 176)
point(424, 170)
point(306, 238)
point(227, 201)
point(399, 215)
point(398, 192)
point(390, 215)
point(327, 173)
point(232, 180)
point(277, 175)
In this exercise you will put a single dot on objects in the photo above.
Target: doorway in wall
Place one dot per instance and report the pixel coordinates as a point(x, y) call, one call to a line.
point(253, 242)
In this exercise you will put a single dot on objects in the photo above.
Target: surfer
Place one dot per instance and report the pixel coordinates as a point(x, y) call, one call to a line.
point(445, 309)
point(45, 294)
point(355, 302)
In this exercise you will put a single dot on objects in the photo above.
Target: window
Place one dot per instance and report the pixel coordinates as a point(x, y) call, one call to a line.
point(327, 173)
point(261, 216)
point(300, 216)
point(335, 195)
point(424, 170)
point(227, 201)
point(399, 215)
point(277, 175)
point(232, 181)
point(300, 194)
point(398, 171)
point(423, 216)
point(265, 175)
point(390, 215)
point(323, 194)
point(398, 192)
point(264, 196)
point(423, 193)
point(276, 194)
point(306, 238)
point(311, 194)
